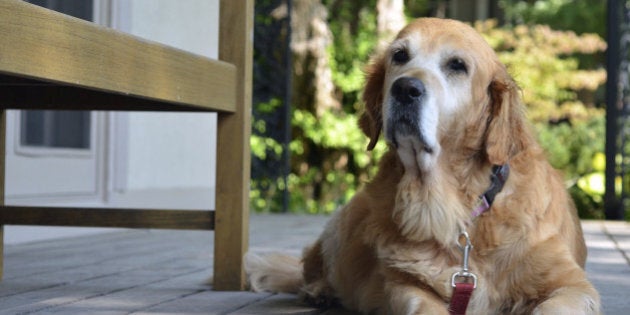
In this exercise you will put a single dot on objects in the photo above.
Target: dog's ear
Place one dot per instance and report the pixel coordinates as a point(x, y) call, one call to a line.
point(371, 121)
point(506, 132)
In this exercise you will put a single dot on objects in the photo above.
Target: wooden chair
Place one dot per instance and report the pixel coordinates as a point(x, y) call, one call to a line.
point(91, 72)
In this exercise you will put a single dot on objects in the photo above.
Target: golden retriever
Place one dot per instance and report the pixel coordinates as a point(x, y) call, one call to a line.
point(452, 117)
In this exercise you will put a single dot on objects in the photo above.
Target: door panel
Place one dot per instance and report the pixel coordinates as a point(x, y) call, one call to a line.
point(52, 154)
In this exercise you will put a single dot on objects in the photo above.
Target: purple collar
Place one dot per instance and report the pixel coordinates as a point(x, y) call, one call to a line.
point(498, 178)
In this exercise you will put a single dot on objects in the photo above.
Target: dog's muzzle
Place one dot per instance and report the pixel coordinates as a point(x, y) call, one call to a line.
point(407, 97)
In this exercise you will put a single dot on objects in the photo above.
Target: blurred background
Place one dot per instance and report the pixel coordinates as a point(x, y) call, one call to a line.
point(310, 157)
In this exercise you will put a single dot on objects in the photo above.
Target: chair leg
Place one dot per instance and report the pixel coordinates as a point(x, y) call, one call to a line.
point(1, 251)
point(233, 153)
point(231, 225)
point(3, 135)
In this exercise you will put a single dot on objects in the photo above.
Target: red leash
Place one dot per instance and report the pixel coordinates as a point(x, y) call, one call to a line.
point(461, 297)
point(462, 290)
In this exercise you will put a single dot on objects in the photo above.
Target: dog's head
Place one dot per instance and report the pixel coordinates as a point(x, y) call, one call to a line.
point(438, 88)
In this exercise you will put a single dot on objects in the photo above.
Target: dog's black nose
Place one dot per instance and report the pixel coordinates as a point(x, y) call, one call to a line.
point(407, 89)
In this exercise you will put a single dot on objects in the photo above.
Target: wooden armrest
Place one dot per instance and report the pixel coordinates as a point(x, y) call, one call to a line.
point(47, 47)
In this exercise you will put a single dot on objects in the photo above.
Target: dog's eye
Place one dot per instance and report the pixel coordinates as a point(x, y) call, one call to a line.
point(457, 65)
point(400, 56)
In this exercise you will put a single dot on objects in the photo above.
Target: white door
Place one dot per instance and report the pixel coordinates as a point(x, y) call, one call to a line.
point(55, 155)
point(52, 155)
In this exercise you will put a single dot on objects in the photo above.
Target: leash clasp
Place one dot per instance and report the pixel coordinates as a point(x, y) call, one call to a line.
point(466, 247)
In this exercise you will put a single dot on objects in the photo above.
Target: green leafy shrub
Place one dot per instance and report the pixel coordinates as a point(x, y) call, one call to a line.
point(580, 16)
point(329, 160)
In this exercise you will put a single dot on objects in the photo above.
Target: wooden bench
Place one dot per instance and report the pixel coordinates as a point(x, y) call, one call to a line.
point(52, 61)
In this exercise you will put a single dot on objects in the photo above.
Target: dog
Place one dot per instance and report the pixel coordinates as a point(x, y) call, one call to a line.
point(464, 195)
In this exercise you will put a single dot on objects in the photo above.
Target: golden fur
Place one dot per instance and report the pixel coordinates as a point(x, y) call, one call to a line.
point(392, 249)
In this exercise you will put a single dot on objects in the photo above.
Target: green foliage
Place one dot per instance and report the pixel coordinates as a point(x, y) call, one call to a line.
point(328, 150)
point(339, 177)
point(339, 135)
point(543, 63)
point(573, 147)
point(580, 16)
point(354, 29)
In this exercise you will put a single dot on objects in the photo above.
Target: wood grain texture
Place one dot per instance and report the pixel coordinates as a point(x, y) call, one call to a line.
point(106, 217)
point(40, 44)
point(233, 153)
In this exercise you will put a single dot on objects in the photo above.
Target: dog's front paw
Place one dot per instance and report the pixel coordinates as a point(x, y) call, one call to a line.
point(411, 300)
point(569, 302)
point(319, 294)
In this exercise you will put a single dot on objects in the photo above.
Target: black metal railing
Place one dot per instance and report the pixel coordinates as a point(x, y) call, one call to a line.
point(617, 109)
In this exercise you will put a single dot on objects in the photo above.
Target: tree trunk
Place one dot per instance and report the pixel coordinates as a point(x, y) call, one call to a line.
point(313, 84)
point(390, 18)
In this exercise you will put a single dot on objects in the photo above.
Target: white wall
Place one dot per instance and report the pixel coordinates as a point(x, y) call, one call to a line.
point(190, 25)
point(167, 150)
